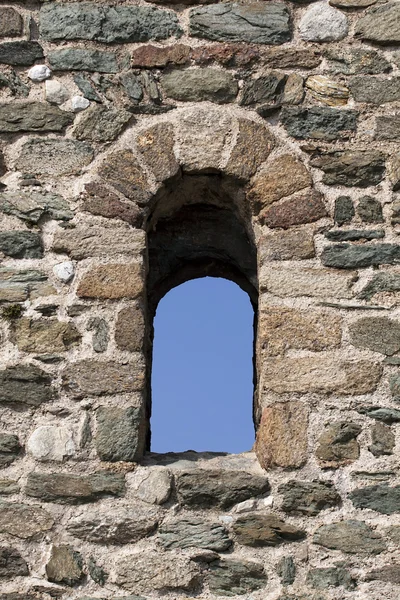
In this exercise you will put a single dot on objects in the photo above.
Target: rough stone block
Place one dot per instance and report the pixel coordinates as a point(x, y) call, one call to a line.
point(283, 280)
point(322, 23)
point(200, 85)
point(51, 443)
point(11, 23)
point(101, 201)
point(91, 241)
point(156, 145)
point(120, 433)
point(357, 61)
point(380, 24)
point(383, 440)
point(130, 329)
point(21, 244)
point(20, 54)
point(258, 530)
point(352, 537)
point(112, 281)
point(292, 244)
point(32, 116)
point(25, 385)
point(101, 124)
point(236, 577)
point(303, 207)
point(381, 498)
point(308, 497)
point(79, 59)
point(54, 156)
point(338, 445)
point(150, 56)
point(319, 122)
point(378, 334)
point(24, 521)
point(351, 168)
point(44, 335)
point(32, 206)
point(9, 448)
point(11, 562)
point(345, 256)
point(194, 532)
point(122, 171)
point(93, 378)
point(64, 566)
point(66, 488)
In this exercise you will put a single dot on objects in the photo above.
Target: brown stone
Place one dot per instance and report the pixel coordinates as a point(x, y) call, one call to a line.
point(282, 436)
point(11, 23)
point(258, 530)
point(89, 241)
point(100, 201)
point(294, 89)
point(90, 378)
point(394, 172)
point(281, 329)
point(157, 147)
point(293, 244)
point(112, 281)
point(253, 146)
point(378, 334)
point(327, 90)
point(68, 488)
point(64, 566)
point(285, 58)
point(304, 207)
point(44, 335)
point(122, 170)
point(232, 55)
point(282, 280)
point(279, 178)
point(338, 445)
point(322, 374)
point(150, 56)
point(129, 329)
point(24, 520)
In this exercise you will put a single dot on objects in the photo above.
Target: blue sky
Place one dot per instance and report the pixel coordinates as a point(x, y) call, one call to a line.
point(202, 373)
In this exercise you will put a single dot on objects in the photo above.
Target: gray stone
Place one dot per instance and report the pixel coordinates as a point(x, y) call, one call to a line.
point(353, 537)
point(383, 440)
point(91, 378)
point(380, 24)
point(21, 244)
point(330, 577)
point(66, 488)
point(12, 564)
point(8, 487)
point(338, 445)
point(387, 415)
point(54, 156)
point(25, 385)
point(120, 433)
point(378, 334)
point(357, 61)
point(286, 569)
point(266, 89)
point(370, 210)
point(387, 127)
point(32, 206)
point(322, 23)
point(20, 54)
point(132, 86)
point(108, 24)
point(344, 210)
point(351, 168)
point(194, 532)
point(319, 122)
point(100, 336)
point(44, 335)
point(81, 59)
point(198, 85)
point(267, 23)
point(375, 90)
point(97, 573)
point(234, 577)
point(64, 566)
point(86, 87)
point(345, 256)
point(101, 124)
point(11, 23)
point(17, 286)
point(155, 485)
point(394, 383)
point(201, 488)
point(354, 235)
point(381, 498)
point(387, 573)
point(9, 448)
point(120, 526)
point(24, 521)
point(308, 498)
point(51, 443)
point(258, 530)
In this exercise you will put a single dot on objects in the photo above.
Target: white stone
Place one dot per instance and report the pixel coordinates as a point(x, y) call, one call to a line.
point(245, 506)
point(55, 92)
point(64, 271)
point(322, 23)
point(225, 519)
point(79, 103)
point(267, 502)
point(51, 443)
point(39, 73)
point(153, 485)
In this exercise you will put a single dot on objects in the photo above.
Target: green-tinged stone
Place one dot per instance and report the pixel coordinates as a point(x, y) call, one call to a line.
point(33, 116)
point(79, 59)
point(381, 282)
point(120, 433)
point(101, 124)
point(380, 413)
point(194, 532)
point(32, 206)
point(308, 498)
point(25, 385)
point(319, 122)
point(352, 537)
point(353, 235)
point(20, 54)
point(21, 244)
point(234, 577)
point(68, 488)
point(381, 498)
point(330, 577)
point(345, 256)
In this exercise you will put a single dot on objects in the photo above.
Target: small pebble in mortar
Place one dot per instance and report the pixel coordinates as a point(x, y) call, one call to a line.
point(64, 271)
point(39, 73)
point(79, 103)
point(55, 92)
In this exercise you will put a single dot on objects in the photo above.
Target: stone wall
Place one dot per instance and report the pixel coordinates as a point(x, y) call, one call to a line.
point(144, 144)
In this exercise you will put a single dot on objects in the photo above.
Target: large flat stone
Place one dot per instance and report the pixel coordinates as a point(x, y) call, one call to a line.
point(375, 90)
point(292, 244)
point(301, 208)
point(120, 433)
point(101, 124)
point(32, 116)
point(387, 127)
point(112, 281)
point(379, 334)
point(357, 61)
point(101, 201)
point(236, 577)
point(93, 378)
point(338, 446)
point(381, 498)
point(319, 122)
point(44, 335)
point(351, 168)
point(200, 85)
point(122, 170)
point(308, 497)
point(21, 53)
point(85, 241)
point(253, 145)
point(352, 537)
point(12, 564)
point(346, 256)
point(21, 244)
point(305, 281)
point(380, 24)
point(25, 385)
point(194, 532)
point(24, 520)
point(32, 206)
point(64, 566)
point(80, 59)
point(54, 156)
point(67, 488)
point(258, 530)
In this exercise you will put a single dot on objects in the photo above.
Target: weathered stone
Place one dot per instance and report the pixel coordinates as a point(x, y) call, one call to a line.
point(54, 156)
point(100, 337)
point(370, 210)
point(303, 207)
point(91, 378)
point(203, 488)
point(64, 566)
point(387, 415)
point(281, 328)
point(344, 210)
point(381, 498)
point(353, 537)
point(56, 93)
point(20, 54)
point(97, 573)
point(266, 89)
point(25, 385)
point(66, 488)
point(286, 58)
point(394, 177)
point(279, 178)
point(282, 436)
point(121, 526)
point(24, 520)
point(82, 59)
point(17, 285)
point(259, 530)
point(308, 498)
point(151, 56)
point(354, 235)
point(194, 532)
point(133, 87)
point(157, 148)
point(129, 329)
point(154, 485)
point(345, 256)
point(8, 487)
point(253, 146)
point(357, 61)
point(351, 168)
point(199, 85)
point(32, 206)
point(338, 445)
point(86, 86)
point(21, 244)
point(51, 443)
point(9, 448)
point(320, 374)
point(234, 577)
point(378, 334)
point(101, 124)
point(293, 244)
point(319, 283)
point(286, 570)
point(330, 577)
point(122, 170)
point(294, 89)
point(100, 201)
point(108, 24)
point(32, 116)
point(229, 55)
point(327, 90)
point(380, 24)
point(11, 562)
point(11, 24)
point(394, 383)
point(383, 440)
point(322, 23)
point(352, 3)
point(154, 570)
point(375, 90)
point(44, 335)
point(112, 281)
point(120, 433)
point(319, 122)
point(233, 22)
point(89, 241)
point(388, 573)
